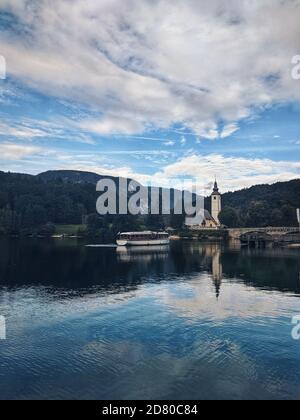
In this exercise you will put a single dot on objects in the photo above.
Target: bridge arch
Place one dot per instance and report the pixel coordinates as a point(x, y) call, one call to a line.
point(256, 237)
point(289, 237)
point(237, 233)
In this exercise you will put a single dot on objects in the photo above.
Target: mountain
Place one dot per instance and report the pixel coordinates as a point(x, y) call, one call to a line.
point(80, 177)
point(76, 177)
point(276, 195)
point(28, 202)
point(262, 205)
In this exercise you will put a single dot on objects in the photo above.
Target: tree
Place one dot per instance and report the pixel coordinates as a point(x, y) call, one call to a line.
point(289, 215)
point(229, 217)
point(47, 230)
point(94, 224)
point(276, 218)
point(155, 222)
point(28, 202)
point(177, 221)
point(258, 214)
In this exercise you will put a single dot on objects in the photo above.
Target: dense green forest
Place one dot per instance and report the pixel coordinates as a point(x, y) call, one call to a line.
point(40, 204)
point(262, 205)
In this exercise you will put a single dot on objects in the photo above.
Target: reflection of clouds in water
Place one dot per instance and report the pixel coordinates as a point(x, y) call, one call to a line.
point(223, 366)
point(192, 297)
point(25, 307)
point(196, 299)
point(123, 353)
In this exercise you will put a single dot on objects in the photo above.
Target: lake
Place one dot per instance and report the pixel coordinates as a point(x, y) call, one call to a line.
point(190, 321)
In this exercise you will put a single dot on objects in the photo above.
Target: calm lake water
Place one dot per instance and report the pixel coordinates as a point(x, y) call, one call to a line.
point(193, 321)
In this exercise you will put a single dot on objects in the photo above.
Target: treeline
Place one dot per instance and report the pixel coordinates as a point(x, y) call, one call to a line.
point(262, 206)
point(35, 205)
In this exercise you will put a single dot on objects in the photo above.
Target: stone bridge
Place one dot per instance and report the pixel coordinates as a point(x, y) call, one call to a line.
point(269, 234)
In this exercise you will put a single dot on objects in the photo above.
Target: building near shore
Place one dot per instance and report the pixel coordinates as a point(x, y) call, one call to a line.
point(211, 221)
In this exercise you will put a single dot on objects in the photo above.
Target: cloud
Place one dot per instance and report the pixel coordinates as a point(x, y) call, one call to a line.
point(228, 130)
point(28, 129)
point(183, 141)
point(9, 151)
point(109, 125)
point(20, 131)
point(234, 173)
point(169, 143)
point(142, 64)
point(207, 130)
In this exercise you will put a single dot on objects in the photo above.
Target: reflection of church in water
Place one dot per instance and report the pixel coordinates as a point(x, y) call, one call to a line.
point(213, 252)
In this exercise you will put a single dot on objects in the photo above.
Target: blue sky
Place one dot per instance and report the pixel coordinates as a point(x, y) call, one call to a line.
point(155, 91)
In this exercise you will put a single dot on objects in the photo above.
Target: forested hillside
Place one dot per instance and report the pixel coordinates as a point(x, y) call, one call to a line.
point(262, 205)
point(38, 204)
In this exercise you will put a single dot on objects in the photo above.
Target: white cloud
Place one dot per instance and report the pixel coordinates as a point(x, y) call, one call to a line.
point(233, 173)
point(228, 130)
point(20, 131)
point(169, 143)
point(112, 125)
point(144, 64)
point(9, 151)
point(28, 129)
point(207, 130)
point(183, 141)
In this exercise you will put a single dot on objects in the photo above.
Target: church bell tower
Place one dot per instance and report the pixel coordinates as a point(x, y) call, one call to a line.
point(216, 203)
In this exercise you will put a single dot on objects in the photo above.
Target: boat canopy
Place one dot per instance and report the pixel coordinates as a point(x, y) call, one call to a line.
point(143, 235)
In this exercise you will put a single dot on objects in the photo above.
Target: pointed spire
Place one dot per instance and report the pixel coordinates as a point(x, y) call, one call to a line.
point(216, 188)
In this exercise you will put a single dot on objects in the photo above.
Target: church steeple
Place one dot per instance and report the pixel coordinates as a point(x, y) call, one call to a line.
point(216, 203)
point(216, 188)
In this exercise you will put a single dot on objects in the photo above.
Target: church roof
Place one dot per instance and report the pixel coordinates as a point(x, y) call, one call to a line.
point(208, 216)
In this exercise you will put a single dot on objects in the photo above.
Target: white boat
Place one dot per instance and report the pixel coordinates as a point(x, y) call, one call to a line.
point(143, 238)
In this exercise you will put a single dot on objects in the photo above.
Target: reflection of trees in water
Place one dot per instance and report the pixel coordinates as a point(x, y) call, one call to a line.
point(269, 269)
point(60, 264)
point(69, 265)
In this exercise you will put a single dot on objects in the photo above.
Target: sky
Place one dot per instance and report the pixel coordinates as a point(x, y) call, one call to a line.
point(155, 90)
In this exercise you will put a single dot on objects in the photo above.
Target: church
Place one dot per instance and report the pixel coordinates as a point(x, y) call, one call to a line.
point(211, 221)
